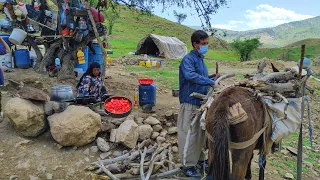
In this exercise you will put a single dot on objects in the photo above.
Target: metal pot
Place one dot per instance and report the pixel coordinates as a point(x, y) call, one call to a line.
point(118, 115)
point(62, 93)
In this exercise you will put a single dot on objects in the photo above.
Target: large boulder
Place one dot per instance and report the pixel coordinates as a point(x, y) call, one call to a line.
point(33, 94)
point(127, 134)
point(76, 126)
point(27, 117)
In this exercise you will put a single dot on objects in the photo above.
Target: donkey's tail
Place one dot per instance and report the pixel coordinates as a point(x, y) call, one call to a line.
point(218, 127)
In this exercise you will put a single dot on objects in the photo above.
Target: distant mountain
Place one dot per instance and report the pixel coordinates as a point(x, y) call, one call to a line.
point(281, 35)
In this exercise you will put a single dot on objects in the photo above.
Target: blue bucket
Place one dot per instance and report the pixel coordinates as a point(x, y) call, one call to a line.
point(84, 66)
point(98, 57)
point(22, 58)
point(5, 37)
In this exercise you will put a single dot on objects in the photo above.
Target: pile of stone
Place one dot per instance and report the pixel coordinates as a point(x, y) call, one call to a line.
point(150, 140)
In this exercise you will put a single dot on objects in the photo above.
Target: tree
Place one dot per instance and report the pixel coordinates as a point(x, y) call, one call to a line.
point(111, 16)
point(246, 47)
point(65, 48)
point(180, 17)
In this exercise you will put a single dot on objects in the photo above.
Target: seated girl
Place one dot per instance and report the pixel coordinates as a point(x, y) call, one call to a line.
point(90, 83)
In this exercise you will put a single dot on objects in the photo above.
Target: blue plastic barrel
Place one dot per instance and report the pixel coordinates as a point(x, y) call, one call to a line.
point(147, 94)
point(98, 57)
point(22, 58)
point(5, 37)
point(84, 66)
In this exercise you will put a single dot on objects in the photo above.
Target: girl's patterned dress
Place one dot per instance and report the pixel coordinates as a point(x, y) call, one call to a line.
point(90, 86)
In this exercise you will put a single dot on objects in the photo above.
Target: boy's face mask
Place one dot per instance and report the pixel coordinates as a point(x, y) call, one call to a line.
point(203, 49)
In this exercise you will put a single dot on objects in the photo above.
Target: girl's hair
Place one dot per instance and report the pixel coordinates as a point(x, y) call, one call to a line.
point(89, 72)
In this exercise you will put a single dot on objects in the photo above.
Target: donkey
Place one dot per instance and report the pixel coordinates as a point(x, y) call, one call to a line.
point(222, 133)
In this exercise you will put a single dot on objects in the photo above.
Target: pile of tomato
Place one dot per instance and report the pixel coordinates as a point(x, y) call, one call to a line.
point(118, 106)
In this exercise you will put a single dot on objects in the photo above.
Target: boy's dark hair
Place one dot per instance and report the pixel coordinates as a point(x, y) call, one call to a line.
point(198, 35)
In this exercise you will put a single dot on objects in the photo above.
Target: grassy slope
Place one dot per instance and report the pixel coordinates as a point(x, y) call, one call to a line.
point(132, 27)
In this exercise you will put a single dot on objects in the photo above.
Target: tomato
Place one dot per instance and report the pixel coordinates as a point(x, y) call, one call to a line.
point(118, 106)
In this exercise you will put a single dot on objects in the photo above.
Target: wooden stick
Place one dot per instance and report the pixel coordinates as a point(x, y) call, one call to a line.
point(107, 171)
point(303, 48)
point(111, 161)
point(156, 158)
point(170, 158)
point(280, 76)
point(143, 155)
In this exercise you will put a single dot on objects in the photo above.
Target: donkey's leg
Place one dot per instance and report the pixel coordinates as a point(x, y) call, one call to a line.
point(248, 174)
point(240, 161)
point(262, 164)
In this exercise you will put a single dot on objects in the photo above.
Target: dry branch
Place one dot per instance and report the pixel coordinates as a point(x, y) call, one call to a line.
point(261, 66)
point(280, 76)
point(170, 158)
point(105, 170)
point(153, 160)
point(143, 155)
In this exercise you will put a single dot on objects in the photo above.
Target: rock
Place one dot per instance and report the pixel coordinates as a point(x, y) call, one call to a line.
point(48, 108)
point(289, 176)
point(107, 126)
point(145, 132)
point(151, 120)
point(117, 121)
point(157, 128)
point(86, 159)
point(172, 130)
point(169, 115)
point(175, 149)
point(59, 107)
point(163, 133)
point(160, 139)
point(37, 153)
point(86, 152)
point(175, 116)
point(309, 165)
point(70, 172)
point(130, 117)
point(49, 176)
point(24, 142)
point(59, 146)
point(140, 121)
point(76, 126)
point(155, 135)
point(13, 177)
point(284, 152)
point(102, 145)
point(105, 155)
point(26, 117)
point(169, 124)
point(127, 134)
point(94, 149)
point(33, 94)
point(33, 178)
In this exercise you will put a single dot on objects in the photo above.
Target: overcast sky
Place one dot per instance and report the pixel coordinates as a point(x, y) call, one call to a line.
point(251, 14)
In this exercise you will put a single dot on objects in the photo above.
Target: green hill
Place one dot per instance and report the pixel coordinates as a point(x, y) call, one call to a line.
point(307, 42)
point(132, 26)
point(280, 35)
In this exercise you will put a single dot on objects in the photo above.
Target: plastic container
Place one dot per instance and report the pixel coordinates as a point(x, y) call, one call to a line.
point(5, 37)
point(98, 16)
point(145, 81)
point(62, 93)
point(33, 57)
point(6, 61)
point(154, 63)
point(80, 56)
point(82, 24)
point(109, 60)
point(142, 63)
point(147, 94)
point(96, 57)
point(85, 65)
point(148, 64)
point(22, 58)
point(17, 36)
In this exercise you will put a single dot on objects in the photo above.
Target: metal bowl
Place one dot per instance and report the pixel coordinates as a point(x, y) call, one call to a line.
point(62, 93)
point(118, 115)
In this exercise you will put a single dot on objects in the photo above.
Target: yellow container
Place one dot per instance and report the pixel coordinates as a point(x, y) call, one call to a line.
point(158, 64)
point(141, 63)
point(109, 60)
point(80, 56)
point(148, 64)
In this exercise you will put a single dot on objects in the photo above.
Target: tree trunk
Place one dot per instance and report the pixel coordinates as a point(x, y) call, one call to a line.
point(110, 29)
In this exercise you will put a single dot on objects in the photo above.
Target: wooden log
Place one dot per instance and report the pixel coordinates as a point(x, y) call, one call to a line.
point(162, 175)
point(261, 66)
point(276, 87)
point(280, 76)
point(105, 170)
point(156, 158)
point(170, 158)
point(143, 155)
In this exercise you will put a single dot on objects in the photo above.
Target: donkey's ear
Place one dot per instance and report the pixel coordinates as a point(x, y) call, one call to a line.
point(274, 68)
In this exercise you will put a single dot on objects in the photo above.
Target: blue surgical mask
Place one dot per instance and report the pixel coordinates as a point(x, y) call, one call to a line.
point(203, 49)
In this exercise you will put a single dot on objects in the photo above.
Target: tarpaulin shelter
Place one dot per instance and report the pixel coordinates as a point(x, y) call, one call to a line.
point(163, 46)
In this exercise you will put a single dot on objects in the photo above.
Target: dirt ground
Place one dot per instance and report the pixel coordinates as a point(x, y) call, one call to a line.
point(42, 156)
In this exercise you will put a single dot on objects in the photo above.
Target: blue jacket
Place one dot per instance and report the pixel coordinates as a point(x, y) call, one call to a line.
point(193, 77)
point(1, 78)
